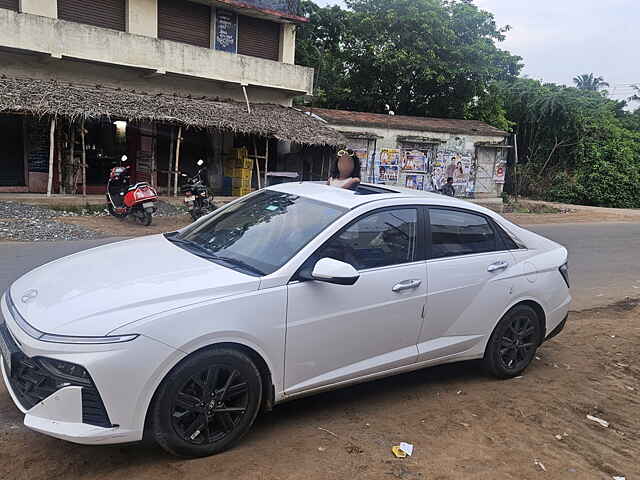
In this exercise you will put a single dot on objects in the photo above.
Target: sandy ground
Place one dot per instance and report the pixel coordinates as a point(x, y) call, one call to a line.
point(128, 227)
point(463, 425)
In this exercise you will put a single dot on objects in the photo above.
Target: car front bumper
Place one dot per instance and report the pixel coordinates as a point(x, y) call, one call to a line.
point(124, 377)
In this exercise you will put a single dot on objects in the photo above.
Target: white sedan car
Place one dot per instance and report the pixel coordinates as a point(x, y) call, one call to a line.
point(292, 290)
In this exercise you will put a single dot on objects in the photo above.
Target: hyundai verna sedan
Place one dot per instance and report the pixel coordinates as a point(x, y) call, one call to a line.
point(292, 290)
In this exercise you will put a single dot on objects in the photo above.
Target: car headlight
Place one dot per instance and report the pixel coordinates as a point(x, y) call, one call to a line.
point(50, 337)
point(564, 271)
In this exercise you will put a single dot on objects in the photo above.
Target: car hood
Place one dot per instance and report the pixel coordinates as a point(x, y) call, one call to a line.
point(98, 290)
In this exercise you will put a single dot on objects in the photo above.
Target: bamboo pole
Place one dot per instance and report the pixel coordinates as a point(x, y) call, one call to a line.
point(52, 131)
point(255, 152)
point(84, 160)
point(171, 139)
point(61, 188)
point(266, 160)
point(72, 154)
point(175, 175)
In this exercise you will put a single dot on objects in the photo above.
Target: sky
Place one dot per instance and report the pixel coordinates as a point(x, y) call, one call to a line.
point(560, 39)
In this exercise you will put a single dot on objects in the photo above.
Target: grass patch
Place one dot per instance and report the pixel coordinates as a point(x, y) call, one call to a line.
point(531, 208)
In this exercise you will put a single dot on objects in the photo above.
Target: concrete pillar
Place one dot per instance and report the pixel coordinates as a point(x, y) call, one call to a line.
point(44, 8)
point(288, 43)
point(142, 17)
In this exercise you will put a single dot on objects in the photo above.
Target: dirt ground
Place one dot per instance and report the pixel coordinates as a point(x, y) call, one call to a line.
point(463, 425)
point(128, 227)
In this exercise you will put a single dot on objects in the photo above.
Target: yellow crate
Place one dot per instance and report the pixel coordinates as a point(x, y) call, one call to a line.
point(244, 163)
point(240, 192)
point(241, 182)
point(239, 153)
point(229, 170)
point(242, 173)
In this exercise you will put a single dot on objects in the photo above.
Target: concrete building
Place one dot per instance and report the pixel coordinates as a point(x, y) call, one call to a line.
point(210, 50)
point(421, 152)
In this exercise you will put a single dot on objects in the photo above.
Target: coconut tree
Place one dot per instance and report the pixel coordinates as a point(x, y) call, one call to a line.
point(587, 81)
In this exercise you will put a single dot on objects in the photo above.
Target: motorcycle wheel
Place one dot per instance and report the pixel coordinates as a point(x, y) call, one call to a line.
point(145, 217)
point(195, 214)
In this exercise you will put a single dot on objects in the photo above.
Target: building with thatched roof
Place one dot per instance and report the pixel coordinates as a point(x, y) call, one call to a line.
point(164, 82)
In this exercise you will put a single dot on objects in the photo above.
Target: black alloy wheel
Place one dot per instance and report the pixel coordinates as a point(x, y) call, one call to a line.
point(207, 403)
point(210, 404)
point(514, 342)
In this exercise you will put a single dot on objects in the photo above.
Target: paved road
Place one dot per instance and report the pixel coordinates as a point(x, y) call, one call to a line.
point(604, 259)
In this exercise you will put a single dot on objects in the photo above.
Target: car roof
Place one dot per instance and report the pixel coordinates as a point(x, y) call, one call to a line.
point(366, 193)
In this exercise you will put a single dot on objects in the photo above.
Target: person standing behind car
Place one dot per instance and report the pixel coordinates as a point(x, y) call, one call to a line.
point(448, 189)
point(345, 172)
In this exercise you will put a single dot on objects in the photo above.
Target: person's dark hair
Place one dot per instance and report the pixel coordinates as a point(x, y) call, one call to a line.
point(449, 179)
point(335, 173)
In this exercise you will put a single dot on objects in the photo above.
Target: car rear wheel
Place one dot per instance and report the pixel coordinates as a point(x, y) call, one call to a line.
point(513, 343)
point(207, 403)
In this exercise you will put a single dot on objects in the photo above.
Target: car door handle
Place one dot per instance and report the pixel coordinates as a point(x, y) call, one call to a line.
point(494, 267)
point(406, 285)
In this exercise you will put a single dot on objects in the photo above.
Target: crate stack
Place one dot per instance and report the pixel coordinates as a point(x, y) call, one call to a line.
point(238, 168)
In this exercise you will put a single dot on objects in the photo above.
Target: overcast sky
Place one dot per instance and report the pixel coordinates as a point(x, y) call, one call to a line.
point(559, 39)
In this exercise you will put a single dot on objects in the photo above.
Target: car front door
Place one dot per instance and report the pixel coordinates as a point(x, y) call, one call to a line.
point(336, 333)
point(470, 281)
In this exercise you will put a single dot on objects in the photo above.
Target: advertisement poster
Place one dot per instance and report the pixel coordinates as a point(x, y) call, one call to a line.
point(226, 31)
point(415, 182)
point(500, 171)
point(389, 166)
point(414, 160)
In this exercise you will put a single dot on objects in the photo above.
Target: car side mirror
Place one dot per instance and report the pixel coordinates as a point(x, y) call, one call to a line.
point(333, 271)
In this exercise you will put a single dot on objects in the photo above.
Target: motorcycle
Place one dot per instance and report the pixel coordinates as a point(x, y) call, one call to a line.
point(196, 196)
point(124, 199)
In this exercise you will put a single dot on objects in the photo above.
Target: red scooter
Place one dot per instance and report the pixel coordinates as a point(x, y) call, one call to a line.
point(124, 199)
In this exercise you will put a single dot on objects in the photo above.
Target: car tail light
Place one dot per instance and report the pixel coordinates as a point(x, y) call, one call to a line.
point(564, 271)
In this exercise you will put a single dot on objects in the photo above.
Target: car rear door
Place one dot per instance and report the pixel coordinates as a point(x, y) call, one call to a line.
point(469, 275)
point(336, 333)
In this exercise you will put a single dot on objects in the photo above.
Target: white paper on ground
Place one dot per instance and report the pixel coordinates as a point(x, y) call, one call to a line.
point(406, 448)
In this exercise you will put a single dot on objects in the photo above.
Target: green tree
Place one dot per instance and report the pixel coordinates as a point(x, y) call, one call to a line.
point(587, 81)
point(421, 57)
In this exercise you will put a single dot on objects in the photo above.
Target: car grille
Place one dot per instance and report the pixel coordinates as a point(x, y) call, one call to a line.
point(31, 383)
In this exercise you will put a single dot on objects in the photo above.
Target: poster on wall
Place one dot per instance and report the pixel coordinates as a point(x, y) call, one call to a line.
point(226, 31)
point(388, 166)
point(414, 182)
point(454, 164)
point(500, 171)
point(415, 161)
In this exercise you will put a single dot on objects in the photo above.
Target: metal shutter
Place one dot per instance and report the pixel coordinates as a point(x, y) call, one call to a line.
point(258, 38)
point(99, 13)
point(10, 4)
point(185, 22)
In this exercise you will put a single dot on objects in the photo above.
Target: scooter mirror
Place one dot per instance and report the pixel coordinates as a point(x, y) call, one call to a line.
point(200, 162)
point(124, 158)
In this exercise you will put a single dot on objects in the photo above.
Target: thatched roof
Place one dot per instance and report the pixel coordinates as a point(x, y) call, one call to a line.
point(51, 97)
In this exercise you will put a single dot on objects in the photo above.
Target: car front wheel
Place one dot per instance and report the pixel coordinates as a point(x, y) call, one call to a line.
point(207, 403)
point(513, 343)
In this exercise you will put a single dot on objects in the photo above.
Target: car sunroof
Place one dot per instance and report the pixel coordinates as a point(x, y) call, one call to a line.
point(371, 190)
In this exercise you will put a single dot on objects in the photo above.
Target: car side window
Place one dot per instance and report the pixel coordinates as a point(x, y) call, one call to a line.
point(379, 239)
point(455, 233)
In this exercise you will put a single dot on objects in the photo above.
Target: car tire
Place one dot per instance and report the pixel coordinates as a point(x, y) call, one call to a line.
point(207, 403)
point(513, 343)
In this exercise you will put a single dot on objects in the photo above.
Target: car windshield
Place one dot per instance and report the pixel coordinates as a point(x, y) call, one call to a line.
point(259, 233)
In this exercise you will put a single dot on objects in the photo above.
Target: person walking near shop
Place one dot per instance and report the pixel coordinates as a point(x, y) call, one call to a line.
point(345, 172)
point(447, 188)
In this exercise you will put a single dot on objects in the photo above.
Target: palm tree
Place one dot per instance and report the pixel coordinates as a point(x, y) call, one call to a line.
point(587, 81)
